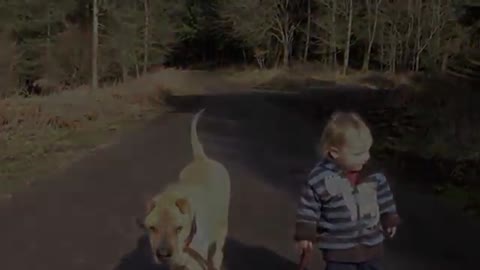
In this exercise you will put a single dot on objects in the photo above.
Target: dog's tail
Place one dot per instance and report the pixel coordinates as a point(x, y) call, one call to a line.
point(198, 152)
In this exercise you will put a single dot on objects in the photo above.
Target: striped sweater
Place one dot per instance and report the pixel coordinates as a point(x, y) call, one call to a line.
point(344, 219)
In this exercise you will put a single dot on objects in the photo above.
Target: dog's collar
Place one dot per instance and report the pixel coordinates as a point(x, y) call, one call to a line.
point(193, 231)
point(197, 257)
point(190, 251)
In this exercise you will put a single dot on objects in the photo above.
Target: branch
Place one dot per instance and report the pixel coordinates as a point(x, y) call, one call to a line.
point(430, 38)
point(280, 29)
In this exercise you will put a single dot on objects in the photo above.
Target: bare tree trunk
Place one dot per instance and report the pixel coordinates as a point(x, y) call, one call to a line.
point(333, 37)
point(124, 65)
point(287, 33)
point(382, 48)
point(417, 61)
point(438, 45)
point(436, 26)
point(245, 61)
point(400, 51)
point(286, 58)
point(124, 72)
point(445, 62)
point(349, 34)
point(309, 21)
point(146, 35)
point(326, 55)
point(95, 46)
point(371, 33)
point(427, 41)
point(278, 55)
point(419, 36)
point(260, 57)
point(411, 22)
point(284, 30)
point(48, 48)
point(393, 50)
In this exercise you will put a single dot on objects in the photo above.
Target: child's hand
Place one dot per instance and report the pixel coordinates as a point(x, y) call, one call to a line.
point(304, 245)
point(391, 232)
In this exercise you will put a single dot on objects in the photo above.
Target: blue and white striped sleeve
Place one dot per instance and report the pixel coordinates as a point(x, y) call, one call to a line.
point(307, 214)
point(386, 202)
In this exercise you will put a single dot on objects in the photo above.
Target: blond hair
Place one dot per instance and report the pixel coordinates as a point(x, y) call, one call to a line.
point(337, 127)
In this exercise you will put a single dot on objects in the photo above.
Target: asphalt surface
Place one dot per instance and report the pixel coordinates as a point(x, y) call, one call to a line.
point(84, 218)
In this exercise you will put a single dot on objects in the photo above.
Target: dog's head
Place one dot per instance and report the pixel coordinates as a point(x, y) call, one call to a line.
point(171, 225)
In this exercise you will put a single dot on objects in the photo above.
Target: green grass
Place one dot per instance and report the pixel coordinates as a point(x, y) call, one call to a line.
point(467, 199)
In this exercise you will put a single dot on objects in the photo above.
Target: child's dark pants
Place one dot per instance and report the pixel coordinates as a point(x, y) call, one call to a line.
point(369, 265)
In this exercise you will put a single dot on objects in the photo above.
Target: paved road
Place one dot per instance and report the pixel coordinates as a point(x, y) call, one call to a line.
point(84, 218)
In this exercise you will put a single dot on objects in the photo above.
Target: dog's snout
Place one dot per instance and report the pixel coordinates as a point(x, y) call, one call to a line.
point(164, 253)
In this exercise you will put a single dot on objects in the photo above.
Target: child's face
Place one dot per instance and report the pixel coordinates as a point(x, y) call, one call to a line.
point(353, 155)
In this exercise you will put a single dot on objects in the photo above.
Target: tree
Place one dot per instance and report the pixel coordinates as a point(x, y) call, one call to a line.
point(372, 23)
point(308, 30)
point(146, 34)
point(346, 57)
point(327, 25)
point(268, 20)
point(94, 45)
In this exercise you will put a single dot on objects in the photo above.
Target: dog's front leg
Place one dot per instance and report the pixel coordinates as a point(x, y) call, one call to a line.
point(192, 264)
point(217, 257)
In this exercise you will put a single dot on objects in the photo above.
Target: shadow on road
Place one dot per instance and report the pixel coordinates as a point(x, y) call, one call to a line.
point(238, 256)
point(139, 258)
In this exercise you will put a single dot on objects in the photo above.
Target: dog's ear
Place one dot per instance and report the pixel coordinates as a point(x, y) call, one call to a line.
point(139, 223)
point(183, 205)
point(149, 205)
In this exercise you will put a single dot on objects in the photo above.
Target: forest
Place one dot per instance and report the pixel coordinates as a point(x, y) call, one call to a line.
point(75, 42)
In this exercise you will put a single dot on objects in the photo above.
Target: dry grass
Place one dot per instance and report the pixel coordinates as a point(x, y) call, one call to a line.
point(184, 82)
point(251, 77)
point(315, 75)
point(42, 134)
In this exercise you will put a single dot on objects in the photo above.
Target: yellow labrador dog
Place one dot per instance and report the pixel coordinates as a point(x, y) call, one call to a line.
point(191, 213)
